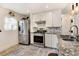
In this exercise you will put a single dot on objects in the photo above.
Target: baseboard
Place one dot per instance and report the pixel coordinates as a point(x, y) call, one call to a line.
point(51, 48)
point(24, 44)
point(45, 47)
point(9, 50)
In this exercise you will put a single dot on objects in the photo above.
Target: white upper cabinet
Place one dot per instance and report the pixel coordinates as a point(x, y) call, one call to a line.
point(33, 19)
point(49, 21)
point(43, 16)
point(56, 17)
point(53, 19)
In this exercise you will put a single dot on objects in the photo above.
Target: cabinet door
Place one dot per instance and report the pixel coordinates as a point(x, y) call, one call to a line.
point(54, 41)
point(56, 17)
point(48, 38)
point(42, 17)
point(49, 19)
point(33, 20)
point(53, 19)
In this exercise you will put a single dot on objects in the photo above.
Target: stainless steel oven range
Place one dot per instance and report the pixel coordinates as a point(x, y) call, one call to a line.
point(39, 39)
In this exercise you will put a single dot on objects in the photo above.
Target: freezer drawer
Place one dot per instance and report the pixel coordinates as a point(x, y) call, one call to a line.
point(23, 39)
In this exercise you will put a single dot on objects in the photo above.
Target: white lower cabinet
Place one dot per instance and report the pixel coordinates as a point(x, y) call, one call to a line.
point(48, 40)
point(51, 40)
point(54, 41)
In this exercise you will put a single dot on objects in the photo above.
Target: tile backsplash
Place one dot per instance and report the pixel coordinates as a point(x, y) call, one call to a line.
point(55, 30)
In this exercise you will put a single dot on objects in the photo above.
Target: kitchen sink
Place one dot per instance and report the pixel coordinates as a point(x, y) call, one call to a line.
point(67, 37)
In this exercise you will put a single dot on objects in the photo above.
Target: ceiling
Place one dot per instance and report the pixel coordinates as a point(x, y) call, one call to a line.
point(27, 8)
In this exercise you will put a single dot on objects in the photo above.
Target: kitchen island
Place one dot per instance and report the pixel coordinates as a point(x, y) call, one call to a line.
point(68, 48)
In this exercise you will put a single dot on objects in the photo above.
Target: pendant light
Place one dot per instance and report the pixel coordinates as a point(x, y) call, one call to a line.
point(76, 4)
point(76, 8)
point(73, 9)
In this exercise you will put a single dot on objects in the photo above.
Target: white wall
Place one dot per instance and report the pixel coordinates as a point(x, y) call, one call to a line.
point(7, 38)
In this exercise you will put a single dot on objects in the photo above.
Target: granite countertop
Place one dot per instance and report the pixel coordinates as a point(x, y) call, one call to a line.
point(68, 48)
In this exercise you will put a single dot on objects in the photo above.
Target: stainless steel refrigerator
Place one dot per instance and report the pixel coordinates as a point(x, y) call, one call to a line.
point(23, 33)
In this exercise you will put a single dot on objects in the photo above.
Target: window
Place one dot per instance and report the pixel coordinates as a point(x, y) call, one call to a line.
point(10, 23)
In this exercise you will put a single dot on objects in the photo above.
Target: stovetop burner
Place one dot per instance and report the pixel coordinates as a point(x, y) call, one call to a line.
point(40, 31)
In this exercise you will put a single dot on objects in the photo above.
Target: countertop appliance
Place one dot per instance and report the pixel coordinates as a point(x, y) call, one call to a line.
point(24, 31)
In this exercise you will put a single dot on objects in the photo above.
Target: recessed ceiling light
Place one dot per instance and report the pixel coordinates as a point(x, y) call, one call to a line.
point(50, 13)
point(76, 8)
point(46, 6)
point(28, 11)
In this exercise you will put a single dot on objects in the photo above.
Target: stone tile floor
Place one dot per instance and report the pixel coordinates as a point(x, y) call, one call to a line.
point(24, 50)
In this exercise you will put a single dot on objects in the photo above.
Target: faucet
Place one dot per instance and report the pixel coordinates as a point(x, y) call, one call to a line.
point(72, 31)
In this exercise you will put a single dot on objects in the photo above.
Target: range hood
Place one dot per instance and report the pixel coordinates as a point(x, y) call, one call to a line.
point(40, 22)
